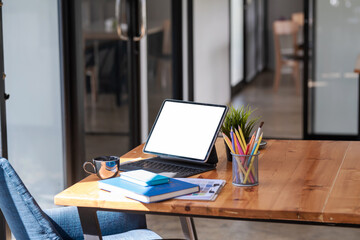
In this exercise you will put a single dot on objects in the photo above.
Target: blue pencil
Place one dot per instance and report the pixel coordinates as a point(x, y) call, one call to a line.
point(252, 152)
point(232, 138)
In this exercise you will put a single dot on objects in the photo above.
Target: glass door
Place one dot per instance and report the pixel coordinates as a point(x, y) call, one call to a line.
point(128, 52)
point(331, 85)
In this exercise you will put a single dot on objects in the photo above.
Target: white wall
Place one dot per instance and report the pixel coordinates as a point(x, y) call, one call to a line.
point(237, 41)
point(211, 51)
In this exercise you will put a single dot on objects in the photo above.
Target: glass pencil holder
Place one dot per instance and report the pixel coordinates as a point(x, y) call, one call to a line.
point(245, 170)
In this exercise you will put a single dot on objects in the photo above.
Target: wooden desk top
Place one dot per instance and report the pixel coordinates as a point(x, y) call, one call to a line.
point(317, 181)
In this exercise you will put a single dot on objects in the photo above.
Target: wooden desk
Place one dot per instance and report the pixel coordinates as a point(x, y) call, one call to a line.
point(314, 182)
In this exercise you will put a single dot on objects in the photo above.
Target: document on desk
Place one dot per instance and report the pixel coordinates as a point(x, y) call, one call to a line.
point(209, 189)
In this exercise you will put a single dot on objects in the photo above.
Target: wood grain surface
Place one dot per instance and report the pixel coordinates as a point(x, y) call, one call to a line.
point(316, 181)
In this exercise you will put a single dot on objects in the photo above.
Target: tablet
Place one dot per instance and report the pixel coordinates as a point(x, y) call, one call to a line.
point(185, 130)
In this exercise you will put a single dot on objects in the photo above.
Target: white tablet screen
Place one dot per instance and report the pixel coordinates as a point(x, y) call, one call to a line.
point(185, 129)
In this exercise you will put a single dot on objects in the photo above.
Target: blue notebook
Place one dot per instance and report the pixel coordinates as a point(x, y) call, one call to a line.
point(173, 188)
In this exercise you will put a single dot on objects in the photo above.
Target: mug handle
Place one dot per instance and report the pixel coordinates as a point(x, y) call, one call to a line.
point(84, 167)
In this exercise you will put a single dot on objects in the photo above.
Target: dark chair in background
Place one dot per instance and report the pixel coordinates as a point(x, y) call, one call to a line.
point(106, 68)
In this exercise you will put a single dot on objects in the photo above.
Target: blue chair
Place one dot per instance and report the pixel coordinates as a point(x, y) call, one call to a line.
point(28, 221)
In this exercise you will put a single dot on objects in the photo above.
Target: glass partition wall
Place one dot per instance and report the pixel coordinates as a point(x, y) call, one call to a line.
point(106, 89)
point(332, 86)
point(35, 120)
point(110, 87)
point(36, 111)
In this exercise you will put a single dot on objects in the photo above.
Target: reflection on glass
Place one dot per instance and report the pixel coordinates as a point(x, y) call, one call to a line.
point(106, 90)
point(159, 55)
point(334, 87)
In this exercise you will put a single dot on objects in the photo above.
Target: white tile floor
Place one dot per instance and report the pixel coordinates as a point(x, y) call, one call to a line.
point(281, 111)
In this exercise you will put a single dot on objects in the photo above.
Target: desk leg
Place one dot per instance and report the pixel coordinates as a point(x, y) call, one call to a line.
point(188, 227)
point(89, 223)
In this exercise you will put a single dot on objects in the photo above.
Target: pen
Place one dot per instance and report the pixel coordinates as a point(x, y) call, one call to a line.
point(258, 131)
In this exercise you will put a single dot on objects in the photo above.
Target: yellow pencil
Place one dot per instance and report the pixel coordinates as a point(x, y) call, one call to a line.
point(252, 159)
point(242, 137)
point(240, 141)
point(228, 142)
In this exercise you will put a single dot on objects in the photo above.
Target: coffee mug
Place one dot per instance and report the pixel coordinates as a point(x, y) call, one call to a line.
point(104, 167)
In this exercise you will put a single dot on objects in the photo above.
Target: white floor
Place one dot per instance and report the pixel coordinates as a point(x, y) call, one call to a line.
point(281, 111)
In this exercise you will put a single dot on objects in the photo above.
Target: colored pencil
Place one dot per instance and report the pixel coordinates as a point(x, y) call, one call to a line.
point(248, 149)
point(228, 142)
point(252, 159)
point(243, 147)
point(242, 137)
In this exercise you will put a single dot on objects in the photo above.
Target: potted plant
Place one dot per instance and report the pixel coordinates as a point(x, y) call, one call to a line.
point(239, 117)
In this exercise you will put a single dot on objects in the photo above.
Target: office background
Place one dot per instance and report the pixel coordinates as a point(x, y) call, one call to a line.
point(73, 95)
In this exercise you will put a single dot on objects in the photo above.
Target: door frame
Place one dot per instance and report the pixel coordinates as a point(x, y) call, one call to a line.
point(4, 149)
point(137, 70)
point(72, 63)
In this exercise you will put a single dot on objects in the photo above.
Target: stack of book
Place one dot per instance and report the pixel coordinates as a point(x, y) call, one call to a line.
point(147, 187)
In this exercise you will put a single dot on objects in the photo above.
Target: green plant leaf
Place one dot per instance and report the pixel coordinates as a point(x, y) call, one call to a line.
point(240, 117)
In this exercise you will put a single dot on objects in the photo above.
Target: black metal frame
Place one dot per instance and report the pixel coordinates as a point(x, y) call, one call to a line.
point(306, 95)
point(73, 109)
point(4, 147)
point(3, 131)
point(177, 49)
point(133, 49)
point(190, 40)
point(133, 78)
point(306, 70)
